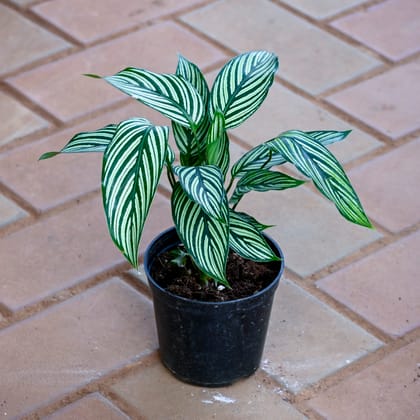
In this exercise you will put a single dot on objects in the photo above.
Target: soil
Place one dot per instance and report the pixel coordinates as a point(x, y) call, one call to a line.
point(245, 277)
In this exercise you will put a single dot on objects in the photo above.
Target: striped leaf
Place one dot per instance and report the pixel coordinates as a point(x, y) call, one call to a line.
point(204, 186)
point(190, 72)
point(328, 137)
point(218, 144)
point(242, 85)
point(132, 166)
point(260, 157)
point(90, 141)
point(192, 144)
point(263, 180)
point(316, 162)
point(247, 241)
point(251, 220)
point(265, 157)
point(206, 239)
point(171, 95)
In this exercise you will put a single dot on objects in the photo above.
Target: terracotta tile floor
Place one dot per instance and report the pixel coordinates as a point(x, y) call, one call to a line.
point(77, 335)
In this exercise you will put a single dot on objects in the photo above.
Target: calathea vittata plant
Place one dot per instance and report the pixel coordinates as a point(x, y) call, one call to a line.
point(205, 195)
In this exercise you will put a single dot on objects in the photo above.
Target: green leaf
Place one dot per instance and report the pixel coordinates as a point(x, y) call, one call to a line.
point(206, 239)
point(260, 157)
point(328, 137)
point(89, 141)
point(251, 220)
point(247, 241)
point(204, 185)
point(171, 95)
point(191, 145)
point(242, 85)
point(218, 144)
point(265, 157)
point(263, 180)
point(316, 162)
point(131, 169)
point(190, 72)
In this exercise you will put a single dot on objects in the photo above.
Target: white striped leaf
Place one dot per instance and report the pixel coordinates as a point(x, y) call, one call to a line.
point(218, 144)
point(316, 162)
point(190, 71)
point(265, 157)
point(263, 180)
point(131, 169)
point(247, 241)
point(328, 137)
point(204, 186)
point(260, 157)
point(242, 85)
point(192, 144)
point(171, 95)
point(251, 220)
point(89, 141)
point(206, 239)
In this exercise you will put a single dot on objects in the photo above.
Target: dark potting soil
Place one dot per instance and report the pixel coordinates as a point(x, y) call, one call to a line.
point(244, 276)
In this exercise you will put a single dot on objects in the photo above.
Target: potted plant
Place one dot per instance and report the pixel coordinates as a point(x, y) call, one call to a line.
point(219, 340)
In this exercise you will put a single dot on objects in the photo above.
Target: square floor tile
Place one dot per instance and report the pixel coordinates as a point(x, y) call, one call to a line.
point(9, 211)
point(245, 400)
point(23, 41)
point(388, 186)
point(387, 390)
point(309, 229)
point(92, 407)
point(383, 287)
point(321, 9)
point(392, 27)
point(284, 110)
point(308, 341)
point(309, 58)
point(90, 20)
point(388, 102)
point(60, 88)
point(19, 122)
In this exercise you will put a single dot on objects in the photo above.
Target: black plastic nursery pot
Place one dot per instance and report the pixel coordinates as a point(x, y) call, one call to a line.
point(209, 343)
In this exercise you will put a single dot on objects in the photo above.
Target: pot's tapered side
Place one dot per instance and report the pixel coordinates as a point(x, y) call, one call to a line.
point(209, 343)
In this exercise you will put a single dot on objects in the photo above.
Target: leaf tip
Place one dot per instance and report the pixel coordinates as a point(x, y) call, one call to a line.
point(48, 155)
point(93, 76)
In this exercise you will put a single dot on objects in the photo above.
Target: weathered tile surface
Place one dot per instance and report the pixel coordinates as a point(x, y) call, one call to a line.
point(387, 186)
point(74, 95)
point(91, 20)
point(391, 27)
point(62, 250)
point(383, 287)
point(284, 110)
point(228, 22)
point(307, 340)
point(387, 390)
point(73, 343)
point(308, 228)
point(55, 253)
point(387, 102)
point(91, 407)
point(9, 211)
point(248, 399)
point(321, 9)
point(23, 41)
point(19, 120)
